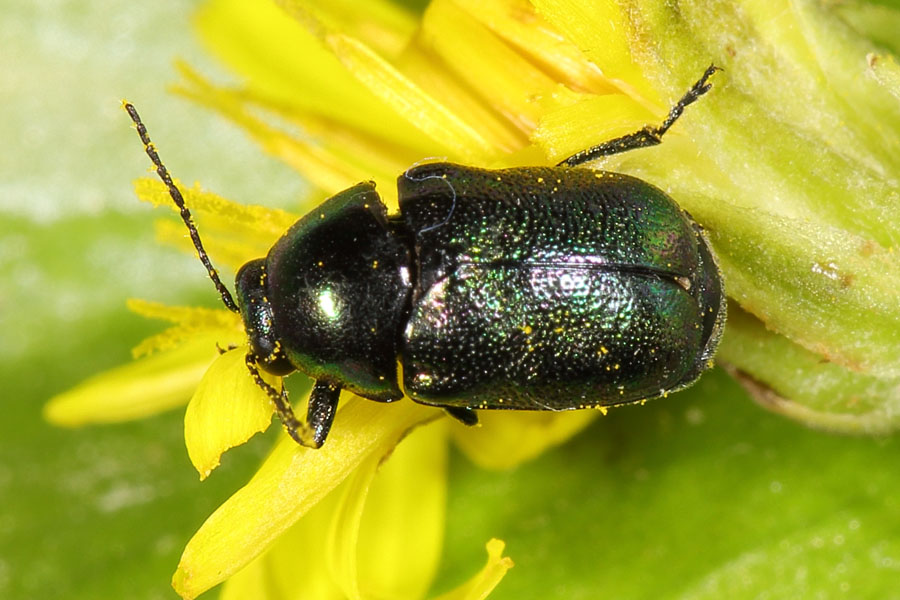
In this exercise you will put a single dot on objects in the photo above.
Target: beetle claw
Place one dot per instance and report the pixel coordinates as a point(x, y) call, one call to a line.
point(322, 406)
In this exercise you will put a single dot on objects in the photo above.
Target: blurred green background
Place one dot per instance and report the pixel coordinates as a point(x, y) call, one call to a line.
point(701, 496)
point(100, 512)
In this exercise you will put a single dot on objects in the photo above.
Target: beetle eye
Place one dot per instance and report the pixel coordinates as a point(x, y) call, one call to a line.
point(256, 311)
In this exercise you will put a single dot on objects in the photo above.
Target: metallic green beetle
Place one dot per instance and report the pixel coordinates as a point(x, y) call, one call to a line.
point(538, 288)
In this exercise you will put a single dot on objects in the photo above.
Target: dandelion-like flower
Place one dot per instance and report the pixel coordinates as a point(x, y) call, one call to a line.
point(790, 167)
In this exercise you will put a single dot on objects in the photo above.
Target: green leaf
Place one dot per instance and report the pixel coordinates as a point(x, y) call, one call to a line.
point(701, 495)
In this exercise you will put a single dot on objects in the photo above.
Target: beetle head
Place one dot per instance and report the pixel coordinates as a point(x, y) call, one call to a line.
point(256, 311)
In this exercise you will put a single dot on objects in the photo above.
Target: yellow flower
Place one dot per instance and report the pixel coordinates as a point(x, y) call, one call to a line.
point(346, 93)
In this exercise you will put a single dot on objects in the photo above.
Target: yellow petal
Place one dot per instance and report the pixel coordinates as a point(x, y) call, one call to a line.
point(241, 219)
point(382, 24)
point(289, 483)
point(191, 322)
point(233, 233)
point(379, 531)
point(332, 156)
point(425, 112)
point(139, 389)
point(402, 528)
point(343, 536)
point(504, 79)
point(227, 409)
point(506, 438)
point(295, 567)
point(570, 129)
point(253, 581)
point(603, 32)
point(194, 316)
point(482, 584)
point(285, 60)
point(419, 65)
point(518, 24)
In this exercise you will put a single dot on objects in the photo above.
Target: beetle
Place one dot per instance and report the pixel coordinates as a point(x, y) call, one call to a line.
point(536, 288)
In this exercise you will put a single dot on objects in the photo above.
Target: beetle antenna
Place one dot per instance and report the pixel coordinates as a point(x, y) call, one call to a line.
point(648, 136)
point(698, 89)
point(178, 199)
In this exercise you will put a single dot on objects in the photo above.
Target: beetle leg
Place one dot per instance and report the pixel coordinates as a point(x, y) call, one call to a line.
point(323, 402)
point(464, 415)
point(302, 433)
point(648, 136)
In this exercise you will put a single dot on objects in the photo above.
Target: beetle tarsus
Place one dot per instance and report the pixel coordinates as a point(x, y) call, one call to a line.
point(648, 136)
